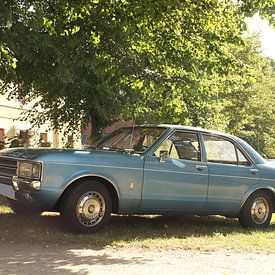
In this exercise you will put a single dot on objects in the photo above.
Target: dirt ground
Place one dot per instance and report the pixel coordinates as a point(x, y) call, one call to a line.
point(34, 259)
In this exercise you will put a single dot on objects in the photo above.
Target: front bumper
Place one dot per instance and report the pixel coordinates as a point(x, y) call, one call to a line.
point(23, 189)
point(26, 185)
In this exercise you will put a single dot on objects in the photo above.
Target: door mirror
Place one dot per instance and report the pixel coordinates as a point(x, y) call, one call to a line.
point(163, 155)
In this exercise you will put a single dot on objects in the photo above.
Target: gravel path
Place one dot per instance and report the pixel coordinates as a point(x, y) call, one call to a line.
point(29, 259)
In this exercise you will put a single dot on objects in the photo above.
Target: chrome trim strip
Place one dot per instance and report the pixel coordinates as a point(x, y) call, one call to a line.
point(273, 180)
point(238, 177)
point(176, 172)
point(94, 165)
point(206, 174)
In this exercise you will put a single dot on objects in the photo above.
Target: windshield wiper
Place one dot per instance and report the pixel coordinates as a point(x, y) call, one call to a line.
point(112, 148)
point(87, 147)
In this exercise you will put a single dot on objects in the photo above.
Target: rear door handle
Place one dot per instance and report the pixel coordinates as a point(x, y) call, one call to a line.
point(254, 171)
point(201, 167)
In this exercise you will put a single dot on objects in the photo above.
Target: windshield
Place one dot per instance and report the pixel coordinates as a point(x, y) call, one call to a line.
point(135, 139)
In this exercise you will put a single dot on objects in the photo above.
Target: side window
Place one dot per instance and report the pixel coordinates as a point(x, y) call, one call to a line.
point(182, 145)
point(242, 159)
point(220, 150)
point(168, 146)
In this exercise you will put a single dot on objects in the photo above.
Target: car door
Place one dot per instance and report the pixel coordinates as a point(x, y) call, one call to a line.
point(231, 171)
point(180, 181)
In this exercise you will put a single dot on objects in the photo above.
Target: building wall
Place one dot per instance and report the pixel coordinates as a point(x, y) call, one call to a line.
point(13, 127)
point(118, 125)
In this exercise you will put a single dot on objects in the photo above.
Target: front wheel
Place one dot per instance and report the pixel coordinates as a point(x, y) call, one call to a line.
point(257, 210)
point(87, 207)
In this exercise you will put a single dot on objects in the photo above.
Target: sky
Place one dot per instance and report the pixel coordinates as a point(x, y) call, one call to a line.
point(257, 25)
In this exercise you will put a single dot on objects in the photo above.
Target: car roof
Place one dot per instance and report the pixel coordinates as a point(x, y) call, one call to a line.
point(189, 128)
point(257, 158)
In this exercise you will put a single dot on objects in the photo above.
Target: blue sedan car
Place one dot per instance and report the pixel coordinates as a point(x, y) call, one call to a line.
point(165, 169)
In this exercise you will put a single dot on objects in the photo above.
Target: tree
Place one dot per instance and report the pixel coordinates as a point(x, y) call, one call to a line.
point(93, 60)
point(250, 108)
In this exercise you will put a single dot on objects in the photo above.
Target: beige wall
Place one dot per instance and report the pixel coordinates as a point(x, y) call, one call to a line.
point(10, 111)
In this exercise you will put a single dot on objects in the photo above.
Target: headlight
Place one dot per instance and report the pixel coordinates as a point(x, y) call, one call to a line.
point(29, 170)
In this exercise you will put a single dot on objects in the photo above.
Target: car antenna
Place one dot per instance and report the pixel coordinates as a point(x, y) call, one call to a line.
point(132, 134)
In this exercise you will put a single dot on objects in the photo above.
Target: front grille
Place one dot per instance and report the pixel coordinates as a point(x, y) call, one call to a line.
point(7, 170)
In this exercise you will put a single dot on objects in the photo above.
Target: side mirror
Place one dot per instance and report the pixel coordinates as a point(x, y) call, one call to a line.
point(163, 155)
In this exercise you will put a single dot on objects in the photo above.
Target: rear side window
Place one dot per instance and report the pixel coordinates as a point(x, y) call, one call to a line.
point(220, 150)
point(243, 160)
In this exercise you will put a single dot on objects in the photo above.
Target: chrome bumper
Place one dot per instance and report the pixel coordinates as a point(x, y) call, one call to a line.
point(25, 184)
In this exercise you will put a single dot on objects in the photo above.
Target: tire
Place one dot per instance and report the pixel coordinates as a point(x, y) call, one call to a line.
point(257, 210)
point(23, 209)
point(87, 207)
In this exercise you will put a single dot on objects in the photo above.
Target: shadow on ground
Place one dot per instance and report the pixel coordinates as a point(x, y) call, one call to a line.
point(50, 229)
point(42, 244)
point(27, 259)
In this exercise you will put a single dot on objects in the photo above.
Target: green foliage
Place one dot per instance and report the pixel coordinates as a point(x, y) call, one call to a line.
point(15, 143)
point(159, 61)
point(258, 125)
point(249, 100)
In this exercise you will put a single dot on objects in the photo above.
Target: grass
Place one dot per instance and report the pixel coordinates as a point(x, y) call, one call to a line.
point(153, 232)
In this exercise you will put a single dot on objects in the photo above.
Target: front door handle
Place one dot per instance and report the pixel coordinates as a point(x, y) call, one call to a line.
point(201, 167)
point(254, 171)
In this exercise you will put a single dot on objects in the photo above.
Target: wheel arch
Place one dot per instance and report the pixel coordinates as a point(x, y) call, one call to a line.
point(268, 189)
point(103, 180)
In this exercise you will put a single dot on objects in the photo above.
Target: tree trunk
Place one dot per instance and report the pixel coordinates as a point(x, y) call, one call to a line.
point(95, 126)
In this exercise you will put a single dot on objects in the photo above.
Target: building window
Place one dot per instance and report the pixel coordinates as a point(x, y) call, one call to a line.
point(70, 141)
point(43, 140)
point(43, 137)
point(24, 136)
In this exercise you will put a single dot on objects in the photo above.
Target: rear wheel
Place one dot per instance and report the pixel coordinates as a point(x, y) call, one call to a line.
point(23, 209)
point(257, 210)
point(87, 207)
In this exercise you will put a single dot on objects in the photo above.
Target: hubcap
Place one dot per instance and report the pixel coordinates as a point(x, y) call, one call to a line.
point(260, 210)
point(90, 209)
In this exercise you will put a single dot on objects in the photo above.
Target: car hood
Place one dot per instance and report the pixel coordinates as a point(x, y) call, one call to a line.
point(29, 153)
point(59, 155)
